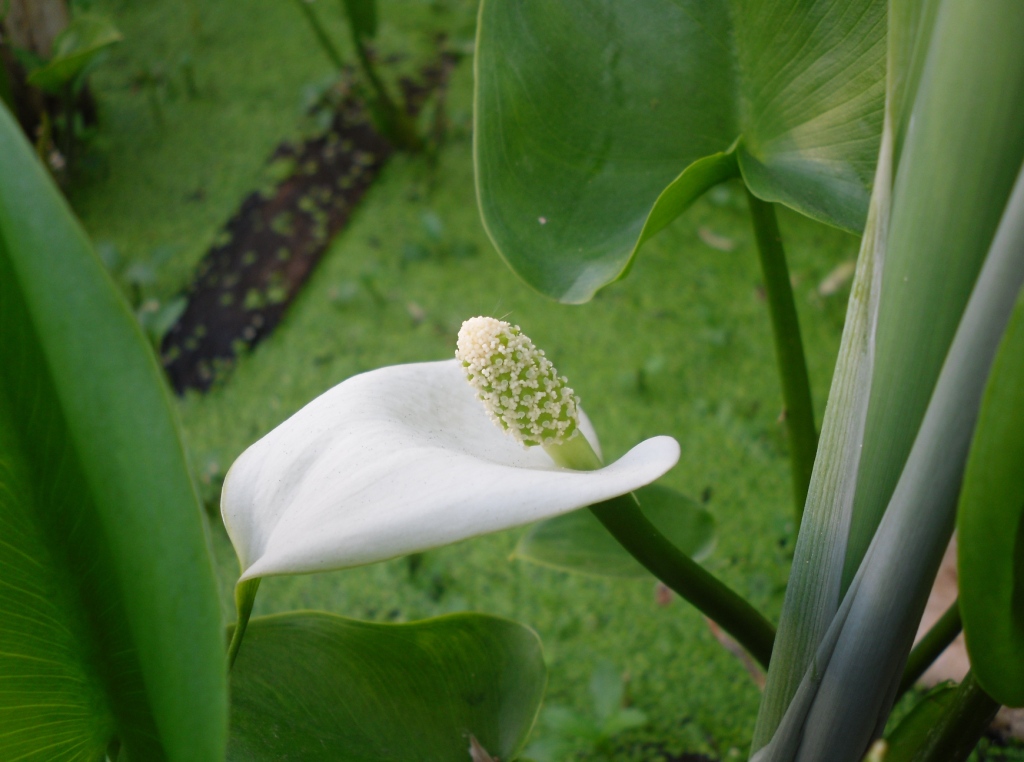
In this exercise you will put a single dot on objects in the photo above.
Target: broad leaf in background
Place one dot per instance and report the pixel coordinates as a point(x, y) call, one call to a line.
point(596, 125)
point(314, 686)
point(990, 522)
point(73, 50)
point(109, 614)
point(577, 542)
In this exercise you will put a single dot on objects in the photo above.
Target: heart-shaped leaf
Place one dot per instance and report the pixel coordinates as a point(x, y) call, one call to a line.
point(597, 122)
point(109, 615)
point(577, 542)
point(314, 686)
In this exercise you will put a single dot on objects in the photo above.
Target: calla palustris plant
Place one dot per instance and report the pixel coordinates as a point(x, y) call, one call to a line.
point(412, 457)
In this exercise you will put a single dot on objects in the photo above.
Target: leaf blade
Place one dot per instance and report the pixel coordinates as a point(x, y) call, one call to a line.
point(316, 686)
point(93, 425)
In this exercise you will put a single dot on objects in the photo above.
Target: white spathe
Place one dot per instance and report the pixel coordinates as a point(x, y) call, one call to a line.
point(400, 460)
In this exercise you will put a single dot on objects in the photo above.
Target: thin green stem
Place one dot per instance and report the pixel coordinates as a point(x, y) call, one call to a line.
point(321, 34)
point(961, 726)
point(398, 127)
point(789, 349)
point(245, 596)
point(623, 518)
point(942, 633)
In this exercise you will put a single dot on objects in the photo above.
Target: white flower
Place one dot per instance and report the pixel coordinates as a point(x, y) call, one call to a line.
point(400, 460)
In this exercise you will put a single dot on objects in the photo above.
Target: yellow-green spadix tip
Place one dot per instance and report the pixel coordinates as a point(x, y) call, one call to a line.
point(518, 385)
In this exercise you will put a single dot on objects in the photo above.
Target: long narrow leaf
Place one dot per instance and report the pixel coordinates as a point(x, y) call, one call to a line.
point(990, 525)
point(812, 597)
point(853, 702)
point(109, 614)
point(813, 593)
point(964, 144)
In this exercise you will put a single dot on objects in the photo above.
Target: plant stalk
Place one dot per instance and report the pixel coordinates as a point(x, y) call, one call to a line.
point(623, 518)
point(942, 633)
point(398, 127)
point(321, 34)
point(789, 350)
point(245, 596)
point(961, 726)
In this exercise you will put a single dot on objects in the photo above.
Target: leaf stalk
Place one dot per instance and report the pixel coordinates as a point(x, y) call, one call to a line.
point(942, 633)
point(623, 518)
point(961, 726)
point(245, 597)
point(789, 350)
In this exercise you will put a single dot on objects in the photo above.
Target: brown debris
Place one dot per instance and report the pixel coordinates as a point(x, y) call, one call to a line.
point(268, 249)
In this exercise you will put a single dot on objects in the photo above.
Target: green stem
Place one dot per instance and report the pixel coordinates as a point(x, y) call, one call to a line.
point(245, 596)
point(398, 127)
point(623, 518)
point(321, 34)
point(789, 350)
point(961, 726)
point(942, 633)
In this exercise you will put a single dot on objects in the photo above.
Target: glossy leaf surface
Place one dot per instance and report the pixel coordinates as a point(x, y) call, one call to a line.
point(74, 49)
point(587, 111)
point(314, 686)
point(109, 615)
point(576, 542)
point(990, 521)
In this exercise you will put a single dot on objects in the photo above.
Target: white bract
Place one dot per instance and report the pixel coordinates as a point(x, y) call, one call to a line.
point(400, 460)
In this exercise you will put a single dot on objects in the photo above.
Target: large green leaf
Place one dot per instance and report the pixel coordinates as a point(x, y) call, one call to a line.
point(312, 686)
point(577, 542)
point(109, 615)
point(73, 50)
point(588, 110)
point(990, 522)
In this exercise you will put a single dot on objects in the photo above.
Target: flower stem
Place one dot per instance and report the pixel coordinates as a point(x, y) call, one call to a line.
point(245, 596)
point(942, 633)
point(789, 351)
point(623, 518)
point(961, 726)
